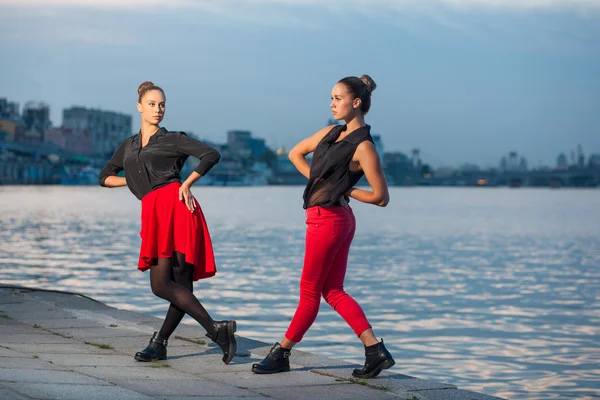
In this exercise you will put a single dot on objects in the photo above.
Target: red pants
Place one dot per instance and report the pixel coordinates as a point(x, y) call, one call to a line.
point(329, 234)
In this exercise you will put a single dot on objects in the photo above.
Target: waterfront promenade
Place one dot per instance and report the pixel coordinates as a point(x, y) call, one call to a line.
point(56, 345)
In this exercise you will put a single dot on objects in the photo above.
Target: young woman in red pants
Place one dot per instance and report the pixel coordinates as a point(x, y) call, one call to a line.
point(176, 245)
point(342, 155)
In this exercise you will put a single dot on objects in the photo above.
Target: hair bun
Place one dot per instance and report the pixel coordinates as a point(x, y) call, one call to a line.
point(144, 86)
point(371, 85)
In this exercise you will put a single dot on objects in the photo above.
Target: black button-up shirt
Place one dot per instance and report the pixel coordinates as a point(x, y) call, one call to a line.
point(159, 162)
point(330, 175)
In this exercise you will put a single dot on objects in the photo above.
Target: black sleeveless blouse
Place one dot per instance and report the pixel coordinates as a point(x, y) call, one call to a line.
point(330, 175)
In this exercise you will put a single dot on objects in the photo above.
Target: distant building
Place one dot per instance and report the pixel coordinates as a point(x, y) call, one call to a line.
point(238, 139)
point(8, 109)
point(11, 124)
point(594, 161)
point(562, 164)
point(237, 142)
point(285, 172)
point(399, 168)
point(416, 158)
point(107, 129)
point(67, 139)
point(523, 166)
point(36, 117)
point(12, 129)
point(503, 164)
point(513, 161)
point(580, 157)
point(257, 147)
point(240, 143)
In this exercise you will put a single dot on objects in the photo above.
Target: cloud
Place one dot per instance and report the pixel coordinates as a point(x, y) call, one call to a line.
point(336, 5)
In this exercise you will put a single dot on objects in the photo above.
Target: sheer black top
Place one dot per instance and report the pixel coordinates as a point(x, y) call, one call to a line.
point(159, 162)
point(330, 175)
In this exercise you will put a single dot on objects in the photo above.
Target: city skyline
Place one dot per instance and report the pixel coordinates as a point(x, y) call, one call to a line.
point(463, 81)
point(58, 132)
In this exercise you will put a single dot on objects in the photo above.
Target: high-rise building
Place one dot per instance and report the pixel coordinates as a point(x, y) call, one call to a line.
point(580, 157)
point(594, 161)
point(107, 129)
point(562, 164)
point(11, 124)
point(513, 161)
point(523, 166)
point(8, 109)
point(36, 117)
point(74, 142)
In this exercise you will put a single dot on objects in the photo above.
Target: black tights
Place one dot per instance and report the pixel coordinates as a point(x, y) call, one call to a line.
point(171, 279)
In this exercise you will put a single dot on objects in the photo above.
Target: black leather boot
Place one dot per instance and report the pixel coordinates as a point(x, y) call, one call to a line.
point(224, 337)
point(156, 350)
point(378, 358)
point(278, 360)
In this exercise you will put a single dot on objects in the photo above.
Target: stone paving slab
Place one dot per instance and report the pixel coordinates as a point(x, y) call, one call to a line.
point(12, 296)
point(17, 328)
point(72, 348)
point(65, 322)
point(338, 392)
point(111, 374)
point(210, 363)
point(45, 376)
point(98, 360)
point(249, 379)
point(31, 310)
point(256, 397)
point(53, 391)
point(7, 393)
point(95, 332)
point(399, 381)
point(39, 338)
point(456, 394)
point(29, 364)
point(53, 324)
point(73, 301)
point(196, 387)
point(6, 353)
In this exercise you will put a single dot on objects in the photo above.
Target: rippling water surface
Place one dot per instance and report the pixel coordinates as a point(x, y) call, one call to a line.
point(493, 290)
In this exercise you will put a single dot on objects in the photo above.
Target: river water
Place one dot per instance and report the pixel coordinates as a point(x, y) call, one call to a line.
point(495, 290)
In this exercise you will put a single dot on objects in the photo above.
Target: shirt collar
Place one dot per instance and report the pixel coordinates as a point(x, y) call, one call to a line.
point(159, 133)
point(358, 135)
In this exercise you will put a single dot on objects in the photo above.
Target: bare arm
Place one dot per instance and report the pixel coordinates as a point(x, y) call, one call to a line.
point(298, 154)
point(367, 157)
point(113, 181)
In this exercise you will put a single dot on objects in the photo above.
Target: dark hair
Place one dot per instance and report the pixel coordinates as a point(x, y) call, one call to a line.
point(146, 87)
point(360, 88)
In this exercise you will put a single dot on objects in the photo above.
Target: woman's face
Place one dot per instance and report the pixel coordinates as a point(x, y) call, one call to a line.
point(343, 106)
point(152, 107)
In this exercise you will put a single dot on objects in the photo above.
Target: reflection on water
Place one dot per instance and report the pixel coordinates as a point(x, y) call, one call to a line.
point(493, 290)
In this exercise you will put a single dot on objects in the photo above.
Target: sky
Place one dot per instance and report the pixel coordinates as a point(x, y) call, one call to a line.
point(461, 80)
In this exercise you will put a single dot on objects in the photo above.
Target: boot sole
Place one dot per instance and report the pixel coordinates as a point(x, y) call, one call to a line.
point(384, 365)
point(138, 358)
point(231, 328)
point(270, 371)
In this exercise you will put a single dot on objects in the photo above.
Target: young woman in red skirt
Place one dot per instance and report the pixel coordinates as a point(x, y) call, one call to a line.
point(342, 155)
point(176, 245)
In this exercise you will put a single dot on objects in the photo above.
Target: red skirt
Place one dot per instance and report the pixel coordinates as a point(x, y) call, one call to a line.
point(168, 226)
